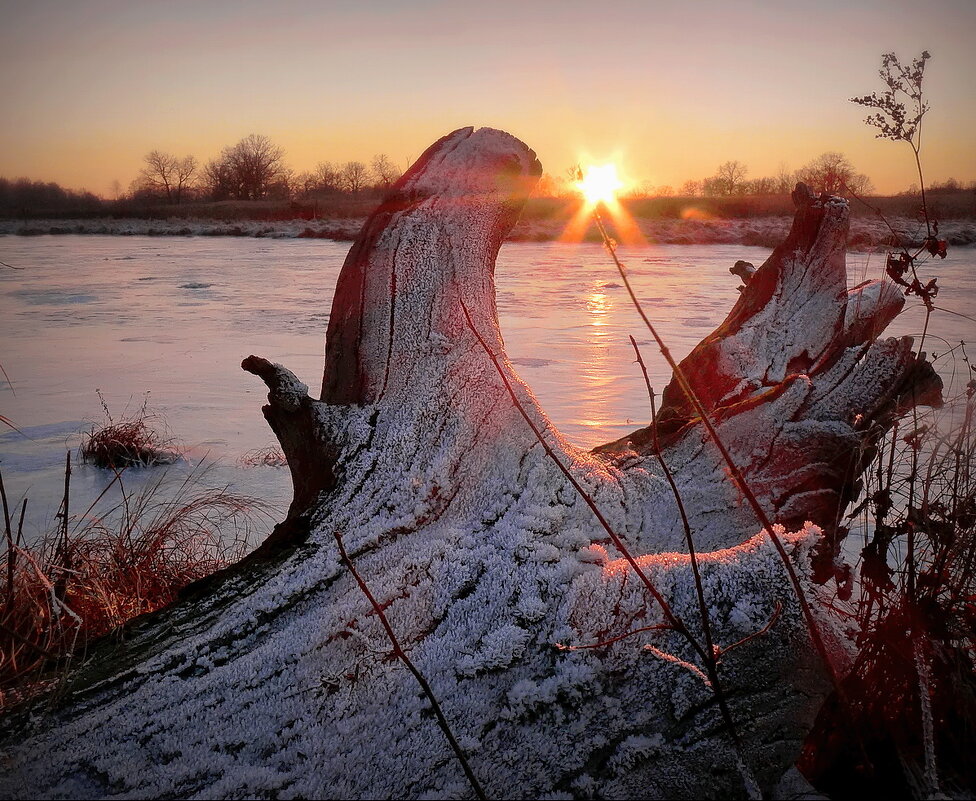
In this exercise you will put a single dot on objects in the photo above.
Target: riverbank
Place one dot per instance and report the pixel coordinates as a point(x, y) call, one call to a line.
point(866, 234)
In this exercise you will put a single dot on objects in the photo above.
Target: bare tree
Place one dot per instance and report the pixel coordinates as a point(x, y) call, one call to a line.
point(385, 172)
point(713, 186)
point(218, 179)
point(185, 170)
point(328, 176)
point(304, 183)
point(691, 188)
point(158, 176)
point(257, 164)
point(730, 176)
point(834, 174)
point(166, 174)
point(761, 186)
point(354, 176)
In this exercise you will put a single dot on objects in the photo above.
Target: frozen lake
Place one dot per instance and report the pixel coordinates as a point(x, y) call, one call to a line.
point(173, 317)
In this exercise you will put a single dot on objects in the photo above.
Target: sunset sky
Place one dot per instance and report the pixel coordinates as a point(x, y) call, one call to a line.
point(668, 89)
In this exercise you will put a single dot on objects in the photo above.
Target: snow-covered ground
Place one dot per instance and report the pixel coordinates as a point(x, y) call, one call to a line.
point(766, 232)
point(174, 317)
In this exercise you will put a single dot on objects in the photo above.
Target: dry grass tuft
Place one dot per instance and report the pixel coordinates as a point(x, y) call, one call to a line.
point(270, 456)
point(131, 441)
point(94, 573)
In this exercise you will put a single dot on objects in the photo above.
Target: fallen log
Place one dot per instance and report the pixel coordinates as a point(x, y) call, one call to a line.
point(277, 677)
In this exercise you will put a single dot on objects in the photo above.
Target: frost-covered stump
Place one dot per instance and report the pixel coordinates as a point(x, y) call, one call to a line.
point(276, 679)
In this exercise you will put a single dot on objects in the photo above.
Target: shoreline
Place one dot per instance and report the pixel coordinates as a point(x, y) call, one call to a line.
point(756, 231)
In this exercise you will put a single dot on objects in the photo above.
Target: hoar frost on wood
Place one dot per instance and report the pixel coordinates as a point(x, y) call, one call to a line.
point(275, 678)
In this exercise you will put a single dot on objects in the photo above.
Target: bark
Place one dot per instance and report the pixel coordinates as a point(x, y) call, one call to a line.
point(275, 678)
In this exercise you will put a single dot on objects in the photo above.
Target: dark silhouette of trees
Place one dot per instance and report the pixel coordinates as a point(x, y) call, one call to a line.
point(760, 186)
point(22, 197)
point(385, 172)
point(948, 186)
point(354, 176)
point(329, 176)
point(303, 183)
point(250, 170)
point(217, 179)
point(785, 180)
point(834, 174)
point(166, 175)
point(730, 176)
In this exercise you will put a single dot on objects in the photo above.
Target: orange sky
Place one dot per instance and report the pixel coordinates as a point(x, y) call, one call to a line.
point(671, 90)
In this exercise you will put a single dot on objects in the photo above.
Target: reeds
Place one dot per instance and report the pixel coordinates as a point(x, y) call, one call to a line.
point(93, 573)
point(912, 688)
point(913, 615)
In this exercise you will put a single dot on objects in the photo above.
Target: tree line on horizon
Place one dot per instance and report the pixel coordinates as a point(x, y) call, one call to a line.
point(830, 172)
point(255, 169)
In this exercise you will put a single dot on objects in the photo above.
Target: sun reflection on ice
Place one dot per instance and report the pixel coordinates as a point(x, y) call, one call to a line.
point(595, 370)
point(599, 306)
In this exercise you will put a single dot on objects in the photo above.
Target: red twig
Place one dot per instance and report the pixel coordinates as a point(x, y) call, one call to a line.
point(400, 654)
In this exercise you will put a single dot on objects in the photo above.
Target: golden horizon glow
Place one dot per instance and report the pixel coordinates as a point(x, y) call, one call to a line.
point(86, 94)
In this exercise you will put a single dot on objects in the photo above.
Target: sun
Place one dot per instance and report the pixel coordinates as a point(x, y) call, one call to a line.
point(600, 184)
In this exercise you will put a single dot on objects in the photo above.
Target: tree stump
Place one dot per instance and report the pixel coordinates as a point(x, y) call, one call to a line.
point(275, 678)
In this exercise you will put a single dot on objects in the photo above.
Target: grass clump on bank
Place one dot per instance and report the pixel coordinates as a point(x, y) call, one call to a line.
point(93, 573)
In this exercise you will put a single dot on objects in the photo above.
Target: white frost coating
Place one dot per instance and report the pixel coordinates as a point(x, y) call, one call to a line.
point(811, 298)
point(281, 682)
point(870, 307)
point(288, 391)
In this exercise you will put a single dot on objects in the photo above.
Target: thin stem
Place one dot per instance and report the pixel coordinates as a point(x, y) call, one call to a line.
point(711, 658)
point(20, 523)
point(612, 640)
point(11, 558)
point(689, 539)
point(921, 181)
point(707, 654)
point(400, 654)
point(62, 584)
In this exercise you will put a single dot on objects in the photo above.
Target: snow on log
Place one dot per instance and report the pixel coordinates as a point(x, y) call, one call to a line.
point(276, 679)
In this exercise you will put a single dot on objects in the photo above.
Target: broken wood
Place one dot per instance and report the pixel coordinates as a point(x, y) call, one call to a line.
point(276, 677)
